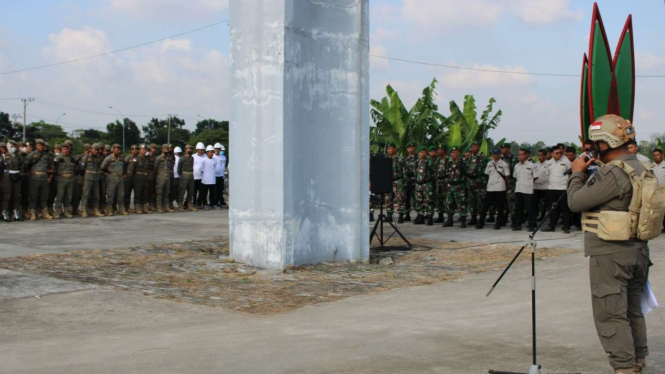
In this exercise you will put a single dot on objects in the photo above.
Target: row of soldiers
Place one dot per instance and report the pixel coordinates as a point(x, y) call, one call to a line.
point(447, 182)
point(34, 181)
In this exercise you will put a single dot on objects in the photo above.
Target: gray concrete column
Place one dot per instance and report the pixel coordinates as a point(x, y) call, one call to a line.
point(299, 132)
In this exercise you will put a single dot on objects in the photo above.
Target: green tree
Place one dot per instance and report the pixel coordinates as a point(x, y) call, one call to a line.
point(210, 137)
point(465, 128)
point(45, 131)
point(211, 124)
point(132, 133)
point(7, 129)
point(157, 131)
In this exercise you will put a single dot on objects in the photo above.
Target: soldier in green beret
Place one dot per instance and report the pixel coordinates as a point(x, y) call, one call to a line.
point(410, 161)
point(509, 159)
point(441, 187)
point(423, 189)
point(435, 160)
point(476, 181)
point(397, 195)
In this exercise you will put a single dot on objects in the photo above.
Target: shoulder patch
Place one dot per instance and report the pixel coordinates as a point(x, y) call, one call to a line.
point(592, 181)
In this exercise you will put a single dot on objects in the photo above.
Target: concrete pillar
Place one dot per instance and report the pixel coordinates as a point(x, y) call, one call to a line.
point(299, 131)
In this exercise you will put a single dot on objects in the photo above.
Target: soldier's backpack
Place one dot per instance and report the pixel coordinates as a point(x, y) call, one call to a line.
point(647, 207)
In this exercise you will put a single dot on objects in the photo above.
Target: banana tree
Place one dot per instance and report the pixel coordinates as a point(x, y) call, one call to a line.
point(465, 129)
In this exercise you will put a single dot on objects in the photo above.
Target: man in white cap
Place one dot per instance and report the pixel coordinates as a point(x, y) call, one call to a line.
point(220, 171)
point(175, 181)
point(198, 172)
point(208, 180)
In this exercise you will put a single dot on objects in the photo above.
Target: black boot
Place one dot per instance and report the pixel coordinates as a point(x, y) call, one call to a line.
point(389, 217)
point(371, 217)
point(449, 222)
point(430, 219)
point(400, 219)
point(17, 215)
point(6, 216)
point(462, 223)
point(407, 217)
point(473, 220)
point(517, 227)
point(419, 220)
point(490, 219)
point(439, 218)
point(480, 225)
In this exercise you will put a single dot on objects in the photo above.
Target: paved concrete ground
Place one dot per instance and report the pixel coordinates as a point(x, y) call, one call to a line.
point(33, 237)
point(441, 328)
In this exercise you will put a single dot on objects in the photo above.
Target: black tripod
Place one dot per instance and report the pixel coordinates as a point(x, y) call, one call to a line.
point(379, 224)
point(535, 368)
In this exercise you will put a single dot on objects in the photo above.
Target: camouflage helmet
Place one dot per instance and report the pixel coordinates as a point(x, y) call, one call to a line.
point(107, 147)
point(613, 130)
point(87, 146)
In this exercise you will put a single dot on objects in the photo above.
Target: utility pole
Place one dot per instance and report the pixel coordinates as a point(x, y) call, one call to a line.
point(123, 127)
point(58, 120)
point(169, 134)
point(25, 113)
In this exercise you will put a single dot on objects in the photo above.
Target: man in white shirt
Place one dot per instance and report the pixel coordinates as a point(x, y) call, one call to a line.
point(540, 186)
point(199, 157)
point(525, 174)
point(557, 190)
point(498, 173)
point(208, 181)
point(220, 169)
point(175, 180)
point(634, 149)
point(659, 170)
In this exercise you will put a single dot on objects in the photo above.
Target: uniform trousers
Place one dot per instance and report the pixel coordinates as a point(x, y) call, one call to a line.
point(141, 190)
point(90, 197)
point(219, 191)
point(129, 187)
point(11, 192)
point(496, 198)
point(524, 202)
point(560, 209)
point(175, 190)
point(115, 191)
point(64, 192)
point(208, 189)
point(39, 189)
point(162, 189)
point(617, 281)
point(186, 187)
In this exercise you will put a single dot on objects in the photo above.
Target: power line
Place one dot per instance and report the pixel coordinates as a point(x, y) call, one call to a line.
point(129, 115)
point(116, 51)
point(493, 70)
point(10, 98)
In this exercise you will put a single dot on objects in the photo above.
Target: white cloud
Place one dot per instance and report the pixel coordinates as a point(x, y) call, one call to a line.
point(451, 14)
point(176, 44)
point(464, 79)
point(377, 62)
point(161, 8)
point(69, 44)
point(648, 61)
point(382, 34)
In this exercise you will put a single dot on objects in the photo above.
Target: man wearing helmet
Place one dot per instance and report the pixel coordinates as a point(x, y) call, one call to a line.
point(199, 158)
point(618, 269)
point(220, 171)
point(175, 177)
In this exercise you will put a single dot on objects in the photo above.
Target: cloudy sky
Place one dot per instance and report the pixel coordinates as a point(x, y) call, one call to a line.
point(189, 75)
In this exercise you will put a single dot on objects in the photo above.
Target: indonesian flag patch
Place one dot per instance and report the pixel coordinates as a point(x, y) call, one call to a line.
point(595, 126)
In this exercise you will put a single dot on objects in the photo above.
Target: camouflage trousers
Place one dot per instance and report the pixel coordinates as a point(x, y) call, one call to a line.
point(476, 196)
point(441, 191)
point(424, 198)
point(456, 200)
point(510, 199)
point(396, 198)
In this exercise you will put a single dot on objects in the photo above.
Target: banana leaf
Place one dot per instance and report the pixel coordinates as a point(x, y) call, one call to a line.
point(454, 136)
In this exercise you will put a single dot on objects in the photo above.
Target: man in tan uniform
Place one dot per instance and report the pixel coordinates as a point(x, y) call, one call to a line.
point(619, 270)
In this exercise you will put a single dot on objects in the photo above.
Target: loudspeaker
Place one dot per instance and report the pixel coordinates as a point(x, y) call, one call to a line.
point(380, 174)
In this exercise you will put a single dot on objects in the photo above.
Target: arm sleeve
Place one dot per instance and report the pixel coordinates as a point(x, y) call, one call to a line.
point(583, 197)
point(487, 169)
point(508, 171)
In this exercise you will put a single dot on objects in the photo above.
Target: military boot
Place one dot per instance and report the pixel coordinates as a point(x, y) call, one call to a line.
point(159, 208)
point(122, 211)
point(84, 212)
point(167, 208)
point(640, 365)
point(6, 216)
point(33, 215)
point(400, 219)
point(97, 213)
point(75, 211)
point(389, 217)
point(419, 220)
point(109, 212)
point(170, 208)
point(626, 371)
point(45, 214)
point(17, 215)
point(407, 217)
point(181, 208)
point(56, 213)
point(430, 219)
point(371, 216)
point(439, 218)
point(490, 219)
point(462, 221)
point(473, 220)
point(191, 208)
point(146, 210)
point(138, 210)
point(449, 222)
point(68, 212)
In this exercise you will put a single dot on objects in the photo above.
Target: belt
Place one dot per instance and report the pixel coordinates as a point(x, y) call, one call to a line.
point(142, 173)
point(162, 172)
point(91, 172)
point(65, 175)
point(38, 172)
point(12, 171)
point(187, 173)
point(117, 174)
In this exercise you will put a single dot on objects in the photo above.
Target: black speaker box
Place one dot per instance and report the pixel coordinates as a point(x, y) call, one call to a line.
point(381, 174)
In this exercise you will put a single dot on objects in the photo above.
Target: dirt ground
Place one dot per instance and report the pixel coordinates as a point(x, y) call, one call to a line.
point(201, 272)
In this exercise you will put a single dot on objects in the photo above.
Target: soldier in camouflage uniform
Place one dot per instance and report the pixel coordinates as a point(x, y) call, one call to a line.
point(434, 160)
point(140, 170)
point(397, 196)
point(106, 151)
point(477, 183)
point(64, 169)
point(455, 176)
point(152, 192)
point(129, 179)
point(423, 188)
point(509, 159)
point(410, 161)
point(114, 166)
point(186, 172)
point(442, 153)
point(78, 186)
point(53, 187)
